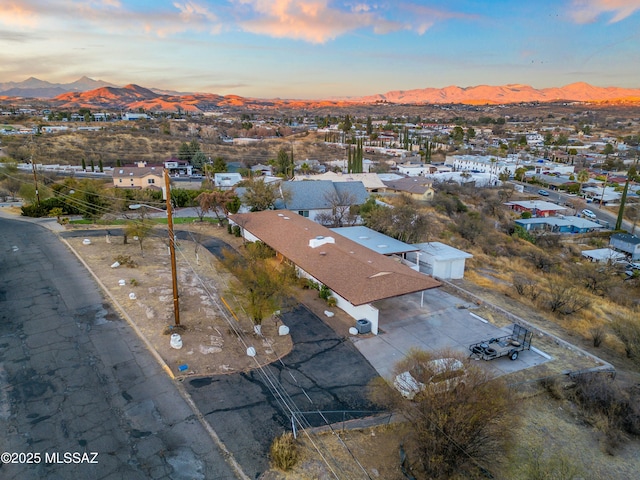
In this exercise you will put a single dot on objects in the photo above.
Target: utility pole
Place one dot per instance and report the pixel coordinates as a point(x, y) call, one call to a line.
point(33, 167)
point(172, 249)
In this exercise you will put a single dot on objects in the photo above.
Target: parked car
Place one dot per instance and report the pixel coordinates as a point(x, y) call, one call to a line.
point(588, 213)
point(544, 193)
point(440, 375)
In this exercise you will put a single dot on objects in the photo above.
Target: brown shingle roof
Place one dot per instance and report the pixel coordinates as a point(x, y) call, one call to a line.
point(354, 272)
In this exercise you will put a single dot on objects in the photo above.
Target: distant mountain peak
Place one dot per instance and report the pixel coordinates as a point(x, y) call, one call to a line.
point(511, 93)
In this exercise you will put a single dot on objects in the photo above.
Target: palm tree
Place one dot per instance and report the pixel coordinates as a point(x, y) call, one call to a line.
point(583, 177)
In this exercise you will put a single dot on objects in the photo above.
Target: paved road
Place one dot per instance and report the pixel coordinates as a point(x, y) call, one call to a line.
point(322, 373)
point(74, 378)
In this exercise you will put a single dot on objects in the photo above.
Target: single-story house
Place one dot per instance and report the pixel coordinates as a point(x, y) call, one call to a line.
point(603, 255)
point(178, 167)
point(139, 177)
point(356, 275)
point(440, 260)
point(260, 169)
point(226, 180)
point(313, 198)
point(559, 224)
point(627, 243)
point(418, 188)
point(371, 181)
point(538, 208)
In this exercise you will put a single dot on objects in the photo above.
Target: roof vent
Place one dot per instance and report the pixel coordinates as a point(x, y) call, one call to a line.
point(281, 214)
point(320, 240)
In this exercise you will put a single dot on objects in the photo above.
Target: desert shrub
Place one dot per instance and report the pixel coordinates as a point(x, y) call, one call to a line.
point(520, 232)
point(604, 404)
point(556, 465)
point(598, 334)
point(35, 210)
point(548, 242)
point(457, 431)
point(284, 452)
point(325, 292)
point(331, 302)
point(628, 331)
point(525, 286)
point(259, 250)
point(126, 261)
point(236, 231)
point(471, 226)
point(563, 297)
point(540, 260)
point(552, 386)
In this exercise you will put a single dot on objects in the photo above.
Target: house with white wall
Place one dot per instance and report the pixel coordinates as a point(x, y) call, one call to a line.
point(356, 275)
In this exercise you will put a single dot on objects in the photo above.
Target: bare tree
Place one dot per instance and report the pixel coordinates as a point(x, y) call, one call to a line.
point(343, 210)
point(216, 202)
point(563, 296)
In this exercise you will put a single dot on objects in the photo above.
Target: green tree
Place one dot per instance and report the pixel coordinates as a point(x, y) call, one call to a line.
point(198, 160)
point(140, 229)
point(260, 195)
point(219, 165)
point(608, 149)
point(284, 164)
point(457, 135)
point(471, 133)
point(583, 177)
point(261, 285)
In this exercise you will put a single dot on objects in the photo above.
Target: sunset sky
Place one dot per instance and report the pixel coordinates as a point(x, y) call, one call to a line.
point(321, 48)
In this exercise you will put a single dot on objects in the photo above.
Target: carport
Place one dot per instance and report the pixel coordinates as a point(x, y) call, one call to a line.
point(440, 321)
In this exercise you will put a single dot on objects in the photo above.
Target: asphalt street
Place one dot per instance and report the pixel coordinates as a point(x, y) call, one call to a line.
point(77, 386)
point(322, 380)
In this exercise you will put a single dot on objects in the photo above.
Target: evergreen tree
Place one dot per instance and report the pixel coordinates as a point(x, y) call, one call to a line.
point(100, 166)
point(93, 167)
point(369, 126)
point(623, 200)
point(84, 165)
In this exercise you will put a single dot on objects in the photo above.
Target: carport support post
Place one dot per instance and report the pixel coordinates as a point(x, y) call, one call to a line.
point(421, 298)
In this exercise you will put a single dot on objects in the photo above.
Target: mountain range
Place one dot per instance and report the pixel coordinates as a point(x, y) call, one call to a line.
point(88, 93)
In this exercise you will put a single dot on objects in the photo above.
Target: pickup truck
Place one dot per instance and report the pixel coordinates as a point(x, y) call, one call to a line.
point(509, 345)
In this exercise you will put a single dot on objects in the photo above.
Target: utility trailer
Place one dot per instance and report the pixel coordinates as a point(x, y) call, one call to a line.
point(509, 345)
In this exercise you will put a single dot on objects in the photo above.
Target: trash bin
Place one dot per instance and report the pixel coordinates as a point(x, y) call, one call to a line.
point(363, 325)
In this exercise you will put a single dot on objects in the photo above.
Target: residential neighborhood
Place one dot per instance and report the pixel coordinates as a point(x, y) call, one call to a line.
point(333, 254)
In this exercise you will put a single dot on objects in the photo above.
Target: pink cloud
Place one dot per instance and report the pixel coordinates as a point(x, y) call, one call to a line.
point(314, 21)
point(15, 13)
point(588, 11)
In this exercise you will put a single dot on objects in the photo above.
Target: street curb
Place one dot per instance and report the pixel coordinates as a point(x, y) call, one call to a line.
point(230, 459)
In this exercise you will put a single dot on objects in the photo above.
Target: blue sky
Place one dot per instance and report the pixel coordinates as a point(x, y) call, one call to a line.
point(321, 48)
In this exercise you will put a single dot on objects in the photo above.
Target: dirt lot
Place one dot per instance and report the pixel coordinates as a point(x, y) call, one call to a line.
point(549, 427)
point(214, 338)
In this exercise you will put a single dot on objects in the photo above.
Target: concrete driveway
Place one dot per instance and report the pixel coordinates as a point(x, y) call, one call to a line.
point(432, 321)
